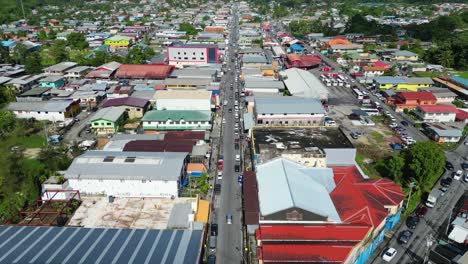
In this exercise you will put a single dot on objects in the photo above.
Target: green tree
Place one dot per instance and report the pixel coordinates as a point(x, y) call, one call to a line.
point(4, 55)
point(58, 51)
point(7, 122)
point(206, 18)
point(42, 35)
point(189, 28)
point(445, 58)
point(8, 93)
point(395, 167)
point(425, 163)
point(19, 53)
point(33, 63)
point(77, 40)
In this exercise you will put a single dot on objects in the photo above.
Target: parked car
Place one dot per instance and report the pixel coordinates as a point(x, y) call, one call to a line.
point(457, 174)
point(229, 219)
point(220, 175)
point(412, 222)
point(443, 190)
point(214, 229)
point(448, 165)
point(465, 178)
point(404, 237)
point(464, 166)
point(446, 182)
point(211, 259)
point(404, 123)
point(422, 211)
point(389, 254)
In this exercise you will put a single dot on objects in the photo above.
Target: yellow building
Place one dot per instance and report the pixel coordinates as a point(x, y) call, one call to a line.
point(403, 83)
point(118, 41)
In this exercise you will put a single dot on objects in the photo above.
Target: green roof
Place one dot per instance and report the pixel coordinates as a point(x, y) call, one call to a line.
point(360, 56)
point(176, 115)
point(35, 91)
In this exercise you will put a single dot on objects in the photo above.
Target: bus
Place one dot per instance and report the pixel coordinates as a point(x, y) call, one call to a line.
point(371, 111)
point(358, 93)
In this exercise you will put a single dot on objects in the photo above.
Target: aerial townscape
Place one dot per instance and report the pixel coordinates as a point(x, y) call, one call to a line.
point(234, 132)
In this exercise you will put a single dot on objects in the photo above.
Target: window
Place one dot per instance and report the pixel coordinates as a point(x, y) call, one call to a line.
point(96, 123)
point(46, 112)
point(122, 180)
point(109, 159)
point(130, 159)
point(139, 109)
point(109, 124)
point(194, 53)
point(38, 112)
point(202, 58)
point(185, 53)
point(193, 58)
point(185, 58)
point(178, 53)
point(202, 53)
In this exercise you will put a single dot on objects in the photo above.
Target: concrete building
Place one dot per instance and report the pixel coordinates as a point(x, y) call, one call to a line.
point(192, 54)
point(199, 100)
point(436, 113)
point(156, 120)
point(134, 106)
point(128, 174)
point(403, 83)
point(289, 111)
point(54, 111)
point(107, 120)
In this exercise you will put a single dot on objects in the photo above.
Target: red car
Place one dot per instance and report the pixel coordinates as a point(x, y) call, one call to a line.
point(421, 212)
point(220, 167)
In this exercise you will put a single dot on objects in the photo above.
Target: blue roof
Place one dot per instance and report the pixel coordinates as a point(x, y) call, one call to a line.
point(28, 244)
point(460, 80)
point(8, 43)
point(297, 47)
point(388, 79)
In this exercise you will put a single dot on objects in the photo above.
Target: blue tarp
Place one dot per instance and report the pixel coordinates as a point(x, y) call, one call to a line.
point(296, 47)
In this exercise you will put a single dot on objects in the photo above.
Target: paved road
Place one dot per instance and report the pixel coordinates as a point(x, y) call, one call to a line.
point(73, 135)
point(435, 220)
point(230, 235)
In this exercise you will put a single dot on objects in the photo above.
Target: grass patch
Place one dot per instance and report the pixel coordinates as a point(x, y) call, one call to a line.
point(413, 202)
point(368, 169)
point(34, 141)
point(377, 137)
point(378, 119)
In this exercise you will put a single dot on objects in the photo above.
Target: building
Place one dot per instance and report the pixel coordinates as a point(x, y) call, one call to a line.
point(199, 100)
point(144, 71)
point(289, 111)
point(444, 133)
point(93, 245)
point(156, 120)
point(53, 110)
point(263, 85)
point(60, 68)
point(192, 54)
point(77, 72)
point(118, 42)
point(304, 62)
point(105, 71)
point(128, 174)
point(436, 113)
point(135, 107)
point(410, 100)
point(26, 82)
point(52, 81)
point(443, 95)
point(107, 120)
point(403, 83)
point(403, 55)
point(304, 84)
point(254, 61)
point(187, 83)
point(372, 71)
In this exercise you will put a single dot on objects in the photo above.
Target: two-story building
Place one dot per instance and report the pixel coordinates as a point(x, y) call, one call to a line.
point(157, 120)
point(192, 54)
point(200, 100)
point(77, 72)
point(436, 113)
point(118, 42)
point(403, 55)
point(134, 106)
point(410, 100)
point(403, 83)
point(107, 120)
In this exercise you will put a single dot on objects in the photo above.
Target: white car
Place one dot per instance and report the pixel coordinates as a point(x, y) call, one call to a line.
point(220, 175)
point(457, 175)
point(224, 120)
point(393, 125)
point(389, 254)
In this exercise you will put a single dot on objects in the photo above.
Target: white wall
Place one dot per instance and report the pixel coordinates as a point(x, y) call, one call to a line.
point(184, 104)
point(51, 116)
point(127, 188)
point(188, 55)
point(439, 117)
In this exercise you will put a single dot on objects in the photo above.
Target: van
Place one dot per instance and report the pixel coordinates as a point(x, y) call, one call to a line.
point(237, 157)
point(213, 244)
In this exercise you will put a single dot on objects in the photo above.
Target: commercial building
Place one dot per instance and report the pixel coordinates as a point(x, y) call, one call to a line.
point(410, 100)
point(144, 71)
point(128, 174)
point(288, 111)
point(436, 113)
point(304, 62)
point(53, 110)
point(107, 120)
point(304, 84)
point(199, 100)
point(135, 107)
point(263, 86)
point(403, 83)
point(192, 54)
point(156, 120)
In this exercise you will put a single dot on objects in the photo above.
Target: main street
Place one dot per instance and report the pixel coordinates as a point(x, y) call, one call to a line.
point(229, 245)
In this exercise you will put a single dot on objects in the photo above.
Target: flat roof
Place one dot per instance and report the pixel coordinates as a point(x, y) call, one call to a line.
point(28, 244)
point(127, 212)
point(183, 95)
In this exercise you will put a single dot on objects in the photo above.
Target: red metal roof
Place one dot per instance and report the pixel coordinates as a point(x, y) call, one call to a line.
point(421, 96)
point(159, 146)
point(461, 115)
point(126, 101)
point(144, 71)
point(304, 61)
point(310, 253)
point(321, 233)
point(439, 108)
point(177, 135)
point(250, 194)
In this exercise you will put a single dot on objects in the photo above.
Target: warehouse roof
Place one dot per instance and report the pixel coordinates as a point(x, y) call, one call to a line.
point(61, 66)
point(183, 95)
point(314, 233)
point(284, 184)
point(252, 83)
point(144, 71)
point(162, 166)
point(187, 81)
point(254, 59)
point(126, 101)
point(288, 105)
point(41, 106)
point(25, 244)
point(304, 84)
point(176, 115)
point(110, 113)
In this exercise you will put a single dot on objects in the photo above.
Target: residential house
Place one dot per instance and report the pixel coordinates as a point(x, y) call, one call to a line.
point(77, 72)
point(35, 94)
point(436, 113)
point(128, 174)
point(403, 83)
point(157, 120)
point(192, 54)
point(88, 99)
point(199, 100)
point(403, 55)
point(372, 71)
point(24, 83)
point(52, 81)
point(105, 71)
point(60, 68)
point(107, 120)
point(118, 42)
point(410, 100)
point(444, 133)
point(52, 110)
point(443, 95)
point(135, 107)
point(289, 111)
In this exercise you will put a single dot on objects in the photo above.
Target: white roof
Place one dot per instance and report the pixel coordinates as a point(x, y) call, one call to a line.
point(304, 84)
point(175, 94)
point(284, 184)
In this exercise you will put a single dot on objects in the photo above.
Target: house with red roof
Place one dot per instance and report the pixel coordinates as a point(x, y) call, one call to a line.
point(144, 71)
point(436, 113)
point(134, 106)
point(410, 100)
point(304, 62)
point(320, 215)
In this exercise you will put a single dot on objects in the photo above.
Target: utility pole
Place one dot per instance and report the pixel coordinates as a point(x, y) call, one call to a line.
point(22, 8)
point(448, 222)
point(411, 185)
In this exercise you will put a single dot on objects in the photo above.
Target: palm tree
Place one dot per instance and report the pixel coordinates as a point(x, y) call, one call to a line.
point(445, 58)
point(9, 92)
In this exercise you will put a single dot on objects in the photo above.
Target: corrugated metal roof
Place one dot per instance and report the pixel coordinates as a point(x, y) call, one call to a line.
point(182, 95)
point(126, 101)
point(304, 84)
point(109, 113)
point(314, 233)
point(164, 166)
point(24, 244)
point(144, 71)
point(251, 83)
point(179, 218)
point(40, 106)
point(288, 105)
point(62, 66)
point(284, 184)
point(176, 115)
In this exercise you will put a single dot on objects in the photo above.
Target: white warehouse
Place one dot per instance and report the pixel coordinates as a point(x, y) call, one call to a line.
point(200, 100)
point(128, 174)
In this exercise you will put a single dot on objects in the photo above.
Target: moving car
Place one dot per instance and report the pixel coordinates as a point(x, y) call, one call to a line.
point(412, 222)
point(389, 254)
point(229, 219)
point(404, 237)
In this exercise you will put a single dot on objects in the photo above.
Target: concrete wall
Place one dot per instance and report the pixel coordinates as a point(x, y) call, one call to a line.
point(51, 116)
point(183, 104)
